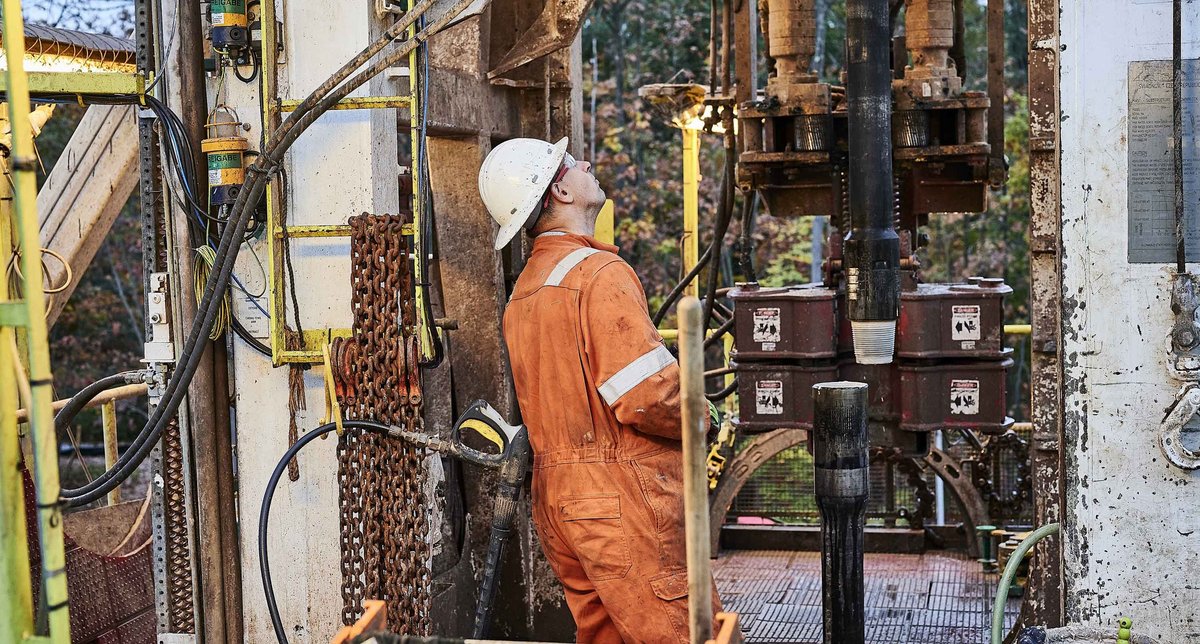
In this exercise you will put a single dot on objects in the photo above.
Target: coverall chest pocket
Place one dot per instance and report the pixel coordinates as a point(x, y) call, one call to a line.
point(592, 526)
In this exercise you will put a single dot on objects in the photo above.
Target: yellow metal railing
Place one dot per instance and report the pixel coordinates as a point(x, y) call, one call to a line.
point(21, 209)
point(278, 230)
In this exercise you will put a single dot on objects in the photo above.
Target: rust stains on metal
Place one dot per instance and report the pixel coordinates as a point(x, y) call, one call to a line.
point(1046, 599)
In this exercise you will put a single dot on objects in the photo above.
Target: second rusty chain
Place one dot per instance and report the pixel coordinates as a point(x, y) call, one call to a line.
point(385, 551)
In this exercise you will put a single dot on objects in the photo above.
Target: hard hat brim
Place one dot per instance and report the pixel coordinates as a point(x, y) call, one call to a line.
point(514, 225)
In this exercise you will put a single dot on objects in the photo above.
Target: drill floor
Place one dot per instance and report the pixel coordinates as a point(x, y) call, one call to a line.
point(932, 598)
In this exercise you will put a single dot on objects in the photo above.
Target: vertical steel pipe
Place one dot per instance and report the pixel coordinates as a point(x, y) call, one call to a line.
point(694, 410)
point(841, 469)
point(872, 248)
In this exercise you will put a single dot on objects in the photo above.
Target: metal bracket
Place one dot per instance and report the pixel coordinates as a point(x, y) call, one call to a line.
point(1187, 403)
point(158, 347)
point(1184, 361)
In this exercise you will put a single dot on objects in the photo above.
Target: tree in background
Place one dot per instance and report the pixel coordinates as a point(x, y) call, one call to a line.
point(113, 17)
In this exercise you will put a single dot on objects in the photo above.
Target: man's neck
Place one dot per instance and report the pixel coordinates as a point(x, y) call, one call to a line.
point(574, 228)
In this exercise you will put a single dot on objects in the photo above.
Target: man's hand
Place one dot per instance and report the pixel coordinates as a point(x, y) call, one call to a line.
point(714, 424)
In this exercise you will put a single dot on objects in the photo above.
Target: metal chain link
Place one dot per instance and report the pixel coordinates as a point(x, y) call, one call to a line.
point(385, 553)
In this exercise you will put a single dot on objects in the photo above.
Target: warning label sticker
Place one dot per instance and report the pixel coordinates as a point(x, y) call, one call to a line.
point(768, 397)
point(964, 397)
point(766, 326)
point(964, 322)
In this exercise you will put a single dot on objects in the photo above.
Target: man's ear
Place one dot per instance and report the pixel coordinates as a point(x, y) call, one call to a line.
point(561, 194)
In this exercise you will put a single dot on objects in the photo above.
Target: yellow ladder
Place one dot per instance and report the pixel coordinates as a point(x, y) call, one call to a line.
point(313, 340)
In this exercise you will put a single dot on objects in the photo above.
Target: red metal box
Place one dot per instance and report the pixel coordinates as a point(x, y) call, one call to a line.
point(953, 320)
point(793, 323)
point(772, 396)
point(970, 395)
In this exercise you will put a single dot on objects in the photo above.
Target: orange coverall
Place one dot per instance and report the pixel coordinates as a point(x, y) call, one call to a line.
point(600, 395)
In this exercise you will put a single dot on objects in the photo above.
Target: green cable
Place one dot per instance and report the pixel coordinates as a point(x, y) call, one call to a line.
point(205, 256)
point(1010, 573)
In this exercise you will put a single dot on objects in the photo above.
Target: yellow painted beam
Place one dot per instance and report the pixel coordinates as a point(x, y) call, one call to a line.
point(1018, 329)
point(425, 328)
point(82, 83)
point(355, 103)
point(22, 168)
point(16, 598)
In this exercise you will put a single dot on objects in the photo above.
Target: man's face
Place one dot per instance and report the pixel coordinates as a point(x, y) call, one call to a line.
point(579, 182)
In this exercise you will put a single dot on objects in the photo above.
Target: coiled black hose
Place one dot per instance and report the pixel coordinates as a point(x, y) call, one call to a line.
point(264, 512)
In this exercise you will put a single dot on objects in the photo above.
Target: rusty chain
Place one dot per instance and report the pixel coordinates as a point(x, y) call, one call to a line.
point(385, 552)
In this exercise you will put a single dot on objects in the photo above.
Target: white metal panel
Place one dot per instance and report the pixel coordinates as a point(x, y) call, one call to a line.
point(1132, 522)
point(332, 174)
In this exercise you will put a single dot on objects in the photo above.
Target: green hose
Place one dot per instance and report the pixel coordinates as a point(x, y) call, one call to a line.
point(1010, 573)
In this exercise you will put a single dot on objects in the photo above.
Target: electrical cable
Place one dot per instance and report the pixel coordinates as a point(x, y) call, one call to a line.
point(201, 269)
point(79, 401)
point(237, 71)
point(249, 339)
point(310, 109)
point(264, 512)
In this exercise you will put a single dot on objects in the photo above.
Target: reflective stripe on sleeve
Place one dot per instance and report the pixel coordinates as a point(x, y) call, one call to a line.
point(567, 263)
point(635, 373)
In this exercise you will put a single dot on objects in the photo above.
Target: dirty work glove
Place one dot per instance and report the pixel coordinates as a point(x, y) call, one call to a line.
point(714, 423)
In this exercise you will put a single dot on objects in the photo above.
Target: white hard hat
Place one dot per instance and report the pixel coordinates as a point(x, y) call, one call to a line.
point(513, 179)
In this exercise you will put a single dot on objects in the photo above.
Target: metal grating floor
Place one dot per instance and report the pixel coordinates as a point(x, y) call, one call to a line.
point(934, 598)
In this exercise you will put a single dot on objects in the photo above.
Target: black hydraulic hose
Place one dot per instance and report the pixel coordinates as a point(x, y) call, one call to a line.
point(720, 331)
point(264, 512)
point(1177, 132)
point(223, 264)
point(745, 258)
point(718, 241)
point(683, 283)
point(389, 36)
point(504, 513)
point(80, 400)
point(724, 393)
point(701, 262)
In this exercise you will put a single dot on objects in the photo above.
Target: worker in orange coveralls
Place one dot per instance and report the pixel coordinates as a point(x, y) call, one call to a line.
point(599, 393)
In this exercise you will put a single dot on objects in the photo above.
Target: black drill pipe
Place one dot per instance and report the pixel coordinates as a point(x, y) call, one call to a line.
point(872, 248)
point(841, 469)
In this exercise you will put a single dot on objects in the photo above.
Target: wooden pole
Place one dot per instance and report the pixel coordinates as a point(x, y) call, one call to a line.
point(695, 479)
